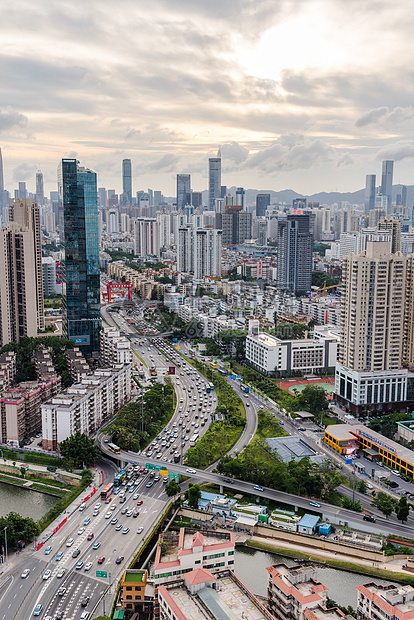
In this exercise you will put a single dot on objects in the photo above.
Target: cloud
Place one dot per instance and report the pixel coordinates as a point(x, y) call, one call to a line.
point(10, 118)
point(23, 172)
point(292, 152)
point(167, 163)
point(384, 116)
point(403, 149)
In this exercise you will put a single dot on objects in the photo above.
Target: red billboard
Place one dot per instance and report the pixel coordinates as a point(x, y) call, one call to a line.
point(171, 370)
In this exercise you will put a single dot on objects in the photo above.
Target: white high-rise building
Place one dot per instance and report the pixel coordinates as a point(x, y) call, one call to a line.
point(179, 219)
point(112, 221)
point(146, 237)
point(164, 227)
point(199, 251)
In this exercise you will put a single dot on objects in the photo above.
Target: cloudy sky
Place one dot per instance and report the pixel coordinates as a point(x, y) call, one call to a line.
point(302, 94)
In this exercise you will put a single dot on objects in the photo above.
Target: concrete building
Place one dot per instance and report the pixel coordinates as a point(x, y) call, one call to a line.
point(385, 602)
point(190, 549)
point(77, 365)
point(50, 286)
point(293, 590)
point(262, 202)
point(295, 247)
point(199, 251)
point(7, 369)
point(394, 227)
point(370, 191)
point(214, 180)
point(137, 594)
point(115, 349)
point(377, 331)
point(146, 237)
point(85, 406)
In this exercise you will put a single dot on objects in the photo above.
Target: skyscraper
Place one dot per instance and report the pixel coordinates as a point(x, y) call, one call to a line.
point(214, 180)
point(40, 193)
point(240, 194)
point(80, 256)
point(183, 189)
point(386, 182)
point(22, 191)
point(294, 257)
point(262, 202)
point(370, 181)
point(127, 178)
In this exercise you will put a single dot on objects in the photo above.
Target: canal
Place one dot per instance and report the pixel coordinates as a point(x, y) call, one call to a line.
point(250, 566)
point(25, 502)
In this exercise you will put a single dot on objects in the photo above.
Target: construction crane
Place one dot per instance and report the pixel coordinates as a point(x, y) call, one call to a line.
point(325, 288)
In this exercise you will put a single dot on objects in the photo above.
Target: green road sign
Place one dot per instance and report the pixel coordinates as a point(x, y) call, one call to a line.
point(173, 475)
point(158, 467)
point(101, 573)
point(150, 466)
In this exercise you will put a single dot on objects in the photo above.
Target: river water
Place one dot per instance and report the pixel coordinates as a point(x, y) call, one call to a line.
point(250, 566)
point(26, 503)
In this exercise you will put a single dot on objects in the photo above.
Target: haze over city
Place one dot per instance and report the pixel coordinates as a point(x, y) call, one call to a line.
point(309, 96)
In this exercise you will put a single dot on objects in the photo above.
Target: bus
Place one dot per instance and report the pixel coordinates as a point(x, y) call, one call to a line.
point(113, 448)
point(213, 365)
point(210, 387)
point(244, 388)
point(222, 371)
point(107, 491)
point(193, 440)
point(120, 477)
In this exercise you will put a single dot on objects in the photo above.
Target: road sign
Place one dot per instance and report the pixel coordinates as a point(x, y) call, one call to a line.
point(174, 476)
point(102, 573)
point(164, 472)
point(232, 377)
point(157, 467)
point(150, 466)
point(348, 461)
point(238, 376)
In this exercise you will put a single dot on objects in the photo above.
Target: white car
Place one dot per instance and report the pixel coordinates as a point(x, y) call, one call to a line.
point(191, 471)
point(81, 530)
point(108, 515)
point(46, 574)
point(88, 565)
point(69, 542)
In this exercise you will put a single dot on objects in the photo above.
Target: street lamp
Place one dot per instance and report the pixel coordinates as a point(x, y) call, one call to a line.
point(5, 542)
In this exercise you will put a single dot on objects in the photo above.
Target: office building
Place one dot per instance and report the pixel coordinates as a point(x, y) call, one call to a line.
point(322, 227)
point(235, 224)
point(22, 191)
point(262, 202)
point(157, 198)
point(370, 191)
point(240, 196)
point(214, 180)
point(103, 199)
point(146, 237)
point(295, 247)
point(196, 199)
point(127, 179)
point(80, 256)
point(386, 182)
point(26, 213)
point(377, 331)
point(183, 190)
point(40, 193)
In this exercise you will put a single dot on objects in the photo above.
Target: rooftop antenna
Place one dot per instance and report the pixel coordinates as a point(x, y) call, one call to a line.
point(219, 152)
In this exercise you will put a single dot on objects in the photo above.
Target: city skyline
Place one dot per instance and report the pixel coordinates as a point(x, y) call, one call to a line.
point(317, 117)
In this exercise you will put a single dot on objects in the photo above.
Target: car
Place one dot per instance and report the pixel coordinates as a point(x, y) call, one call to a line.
point(101, 560)
point(59, 556)
point(114, 521)
point(95, 514)
point(87, 521)
point(119, 559)
point(129, 513)
point(38, 609)
point(88, 565)
point(96, 545)
point(85, 601)
point(136, 496)
point(47, 574)
point(118, 527)
point(125, 530)
point(369, 518)
point(80, 531)
point(149, 484)
point(76, 553)
point(108, 515)
point(113, 507)
point(395, 472)
point(79, 565)
point(25, 573)
point(48, 549)
point(191, 471)
point(124, 511)
point(228, 480)
point(59, 615)
point(97, 506)
point(61, 591)
point(70, 542)
point(140, 502)
point(90, 536)
point(60, 573)
point(257, 487)
point(82, 508)
point(139, 530)
point(393, 484)
point(315, 504)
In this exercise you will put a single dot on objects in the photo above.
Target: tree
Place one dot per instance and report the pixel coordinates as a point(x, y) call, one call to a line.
point(79, 449)
point(172, 488)
point(362, 486)
point(351, 505)
point(385, 503)
point(18, 528)
point(402, 509)
point(314, 398)
point(193, 494)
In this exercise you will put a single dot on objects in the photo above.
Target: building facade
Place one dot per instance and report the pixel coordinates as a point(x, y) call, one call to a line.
point(183, 189)
point(214, 180)
point(127, 179)
point(295, 247)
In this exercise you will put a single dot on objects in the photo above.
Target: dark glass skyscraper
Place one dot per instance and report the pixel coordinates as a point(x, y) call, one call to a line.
point(80, 256)
point(262, 202)
point(370, 192)
point(214, 180)
point(183, 189)
point(294, 252)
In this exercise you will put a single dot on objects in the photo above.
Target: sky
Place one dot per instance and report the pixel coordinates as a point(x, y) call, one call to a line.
point(307, 95)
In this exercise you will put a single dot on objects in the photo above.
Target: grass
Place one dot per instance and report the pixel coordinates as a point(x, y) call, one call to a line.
point(216, 442)
point(140, 358)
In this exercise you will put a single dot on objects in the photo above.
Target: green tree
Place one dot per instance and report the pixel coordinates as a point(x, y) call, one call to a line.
point(18, 528)
point(385, 503)
point(362, 486)
point(172, 488)
point(349, 504)
point(80, 450)
point(402, 509)
point(193, 494)
point(314, 398)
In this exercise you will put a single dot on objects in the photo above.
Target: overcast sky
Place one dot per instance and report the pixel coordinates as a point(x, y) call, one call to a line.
point(303, 94)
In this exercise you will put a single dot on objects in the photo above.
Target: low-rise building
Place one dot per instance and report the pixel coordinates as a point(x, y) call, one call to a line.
point(389, 602)
point(137, 594)
point(7, 369)
point(293, 590)
point(86, 405)
point(114, 348)
point(181, 553)
point(78, 367)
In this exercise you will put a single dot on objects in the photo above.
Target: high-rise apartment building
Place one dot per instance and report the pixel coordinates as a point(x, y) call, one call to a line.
point(199, 251)
point(370, 190)
point(295, 247)
point(40, 192)
point(146, 237)
point(394, 227)
point(164, 228)
point(377, 332)
point(27, 214)
point(183, 190)
point(262, 202)
point(127, 179)
point(112, 221)
point(80, 256)
point(386, 181)
point(214, 180)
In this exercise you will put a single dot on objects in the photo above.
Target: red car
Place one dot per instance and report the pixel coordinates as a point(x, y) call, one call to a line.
point(101, 559)
point(90, 536)
point(139, 503)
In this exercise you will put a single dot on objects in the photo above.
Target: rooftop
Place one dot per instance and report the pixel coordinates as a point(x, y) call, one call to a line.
point(134, 576)
point(401, 597)
point(186, 539)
